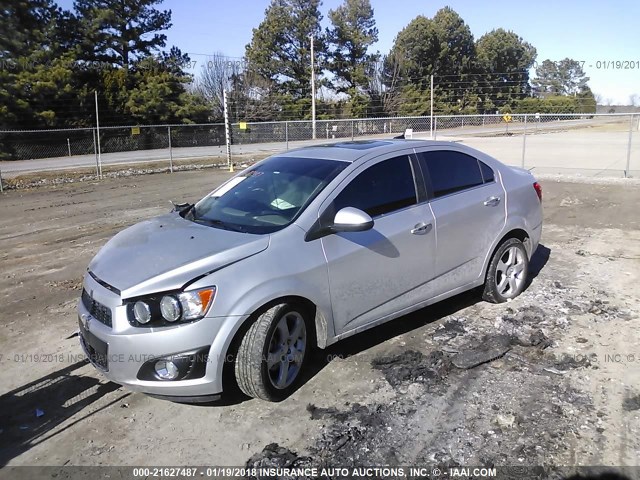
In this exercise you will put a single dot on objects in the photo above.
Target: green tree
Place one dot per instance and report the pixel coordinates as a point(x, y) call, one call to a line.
point(353, 30)
point(413, 57)
point(159, 95)
point(443, 47)
point(38, 85)
point(586, 100)
point(504, 60)
point(565, 77)
point(456, 60)
point(547, 80)
point(120, 32)
point(280, 48)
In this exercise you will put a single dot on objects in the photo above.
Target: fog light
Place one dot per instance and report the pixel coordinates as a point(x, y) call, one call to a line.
point(166, 370)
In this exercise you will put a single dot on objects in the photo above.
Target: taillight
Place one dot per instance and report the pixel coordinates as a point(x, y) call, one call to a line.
point(538, 189)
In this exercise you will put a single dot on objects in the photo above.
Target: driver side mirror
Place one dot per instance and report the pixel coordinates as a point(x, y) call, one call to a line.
point(350, 219)
point(180, 207)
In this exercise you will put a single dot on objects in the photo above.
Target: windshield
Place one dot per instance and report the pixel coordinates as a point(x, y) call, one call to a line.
point(268, 197)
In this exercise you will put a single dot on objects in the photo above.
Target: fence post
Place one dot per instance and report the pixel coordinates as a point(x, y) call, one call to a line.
point(1, 190)
point(69, 146)
point(170, 150)
point(98, 136)
point(626, 172)
point(435, 128)
point(431, 109)
point(524, 139)
point(95, 152)
point(352, 137)
point(286, 134)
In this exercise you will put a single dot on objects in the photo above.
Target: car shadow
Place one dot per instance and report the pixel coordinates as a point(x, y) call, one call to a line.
point(356, 344)
point(380, 334)
point(538, 261)
point(30, 413)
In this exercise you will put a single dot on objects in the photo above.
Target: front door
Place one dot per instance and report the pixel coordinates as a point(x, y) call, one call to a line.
point(385, 270)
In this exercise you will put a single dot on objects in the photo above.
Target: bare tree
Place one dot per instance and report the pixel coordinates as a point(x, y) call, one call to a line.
point(634, 100)
point(384, 80)
point(215, 77)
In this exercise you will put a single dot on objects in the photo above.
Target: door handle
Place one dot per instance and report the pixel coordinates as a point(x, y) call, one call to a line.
point(492, 201)
point(421, 228)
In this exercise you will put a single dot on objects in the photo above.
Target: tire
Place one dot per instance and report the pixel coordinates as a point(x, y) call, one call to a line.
point(507, 272)
point(274, 352)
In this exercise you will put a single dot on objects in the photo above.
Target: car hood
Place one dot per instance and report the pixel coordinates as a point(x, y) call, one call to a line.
point(167, 252)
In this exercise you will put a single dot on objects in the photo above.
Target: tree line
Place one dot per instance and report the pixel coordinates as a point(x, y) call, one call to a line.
point(53, 60)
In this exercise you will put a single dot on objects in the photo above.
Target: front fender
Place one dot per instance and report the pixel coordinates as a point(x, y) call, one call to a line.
point(288, 287)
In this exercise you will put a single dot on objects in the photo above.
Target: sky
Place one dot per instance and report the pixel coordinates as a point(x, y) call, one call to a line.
point(598, 33)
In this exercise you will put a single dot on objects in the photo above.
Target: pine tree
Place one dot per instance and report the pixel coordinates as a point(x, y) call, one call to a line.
point(352, 32)
point(119, 33)
point(280, 49)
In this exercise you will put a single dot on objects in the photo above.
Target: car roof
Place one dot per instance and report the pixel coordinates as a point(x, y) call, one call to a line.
point(352, 151)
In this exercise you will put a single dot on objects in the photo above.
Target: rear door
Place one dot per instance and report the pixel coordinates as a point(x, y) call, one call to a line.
point(468, 203)
point(382, 271)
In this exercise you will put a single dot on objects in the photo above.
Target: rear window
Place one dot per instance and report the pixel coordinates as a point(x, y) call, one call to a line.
point(450, 171)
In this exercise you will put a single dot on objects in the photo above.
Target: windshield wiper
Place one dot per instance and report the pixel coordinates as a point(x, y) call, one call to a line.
point(219, 223)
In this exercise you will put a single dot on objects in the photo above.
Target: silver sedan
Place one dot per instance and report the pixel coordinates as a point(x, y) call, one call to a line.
point(301, 250)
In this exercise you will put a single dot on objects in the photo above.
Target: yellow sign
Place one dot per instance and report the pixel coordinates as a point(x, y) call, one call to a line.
point(507, 117)
point(135, 130)
point(243, 125)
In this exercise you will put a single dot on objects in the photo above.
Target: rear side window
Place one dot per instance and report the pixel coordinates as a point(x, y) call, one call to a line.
point(487, 172)
point(450, 171)
point(382, 188)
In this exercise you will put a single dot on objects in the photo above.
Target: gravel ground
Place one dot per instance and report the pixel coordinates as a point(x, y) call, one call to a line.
point(550, 379)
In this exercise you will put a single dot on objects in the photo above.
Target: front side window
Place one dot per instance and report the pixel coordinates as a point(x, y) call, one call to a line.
point(268, 197)
point(450, 171)
point(382, 188)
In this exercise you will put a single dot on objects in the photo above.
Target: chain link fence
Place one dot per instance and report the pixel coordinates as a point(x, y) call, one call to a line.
point(589, 144)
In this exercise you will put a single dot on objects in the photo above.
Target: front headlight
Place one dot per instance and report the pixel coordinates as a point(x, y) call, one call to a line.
point(171, 308)
point(141, 312)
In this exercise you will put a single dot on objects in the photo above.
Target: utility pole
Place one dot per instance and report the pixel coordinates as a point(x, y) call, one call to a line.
point(98, 135)
point(431, 122)
point(313, 92)
point(227, 130)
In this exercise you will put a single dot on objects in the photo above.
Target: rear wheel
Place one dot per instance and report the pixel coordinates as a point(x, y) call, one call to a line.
point(273, 352)
point(507, 272)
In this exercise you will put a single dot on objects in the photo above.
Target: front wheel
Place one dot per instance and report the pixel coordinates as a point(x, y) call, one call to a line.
point(273, 352)
point(507, 272)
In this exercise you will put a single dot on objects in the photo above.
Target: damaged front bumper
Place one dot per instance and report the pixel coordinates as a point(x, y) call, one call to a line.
point(126, 355)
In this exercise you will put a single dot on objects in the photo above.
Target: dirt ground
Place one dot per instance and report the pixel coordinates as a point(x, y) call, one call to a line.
point(549, 379)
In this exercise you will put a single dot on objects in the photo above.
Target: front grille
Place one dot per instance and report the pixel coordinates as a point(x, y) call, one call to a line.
point(95, 349)
point(96, 309)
